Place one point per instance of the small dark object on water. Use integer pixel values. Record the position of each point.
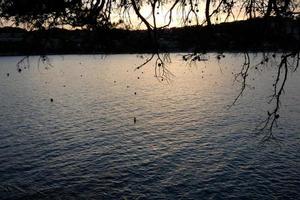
(134, 93)
(127, 86)
(277, 116)
(64, 85)
(134, 120)
(7, 74)
(115, 81)
(138, 77)
(19, 70)
(51, 99)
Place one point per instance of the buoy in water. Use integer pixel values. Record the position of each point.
(51, 100)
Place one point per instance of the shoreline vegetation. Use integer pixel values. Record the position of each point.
(255, 35)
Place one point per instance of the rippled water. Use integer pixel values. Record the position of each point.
(186, 143)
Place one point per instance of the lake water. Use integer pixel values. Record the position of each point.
(185, 144)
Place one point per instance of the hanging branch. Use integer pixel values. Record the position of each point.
(278, 90)
(242, 77)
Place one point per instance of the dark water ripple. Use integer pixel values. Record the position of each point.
(186, 144)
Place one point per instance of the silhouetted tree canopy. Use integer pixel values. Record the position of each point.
(95, 13)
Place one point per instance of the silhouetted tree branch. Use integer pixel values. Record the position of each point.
(278, 86)
(242, 77)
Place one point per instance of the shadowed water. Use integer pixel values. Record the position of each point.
(185, 144)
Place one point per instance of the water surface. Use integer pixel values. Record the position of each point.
(186, 143)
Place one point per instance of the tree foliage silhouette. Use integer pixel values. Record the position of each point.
(95, 13)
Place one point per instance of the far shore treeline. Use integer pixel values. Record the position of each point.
(248, 35)
(106, 26)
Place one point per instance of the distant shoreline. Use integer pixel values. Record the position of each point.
(257, 35)
(143, 53)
